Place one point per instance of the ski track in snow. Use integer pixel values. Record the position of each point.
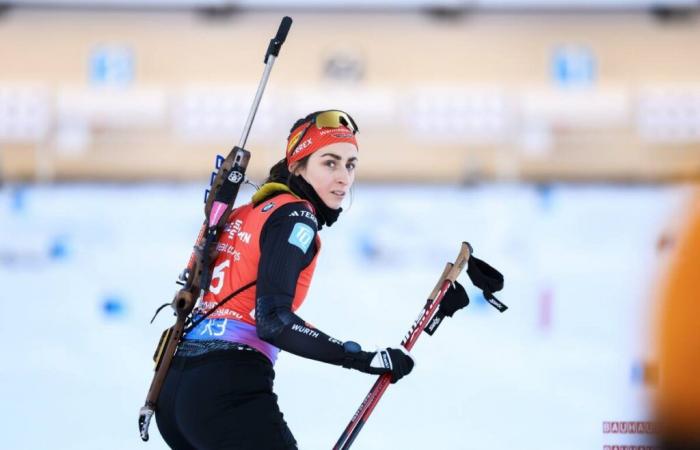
(83, 267)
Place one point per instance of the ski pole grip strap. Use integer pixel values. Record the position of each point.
(484, 276)
(277, 41)
(493, 301)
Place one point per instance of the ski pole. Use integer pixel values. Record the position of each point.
(218, 204)
(448, 276)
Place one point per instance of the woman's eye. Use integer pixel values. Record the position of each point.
(351, 166)
(330, 163)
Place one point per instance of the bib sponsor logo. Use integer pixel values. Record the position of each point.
(233, 229)
(229, 249)
(220, 313)
(244, 237)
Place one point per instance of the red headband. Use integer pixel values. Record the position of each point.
(314, 139)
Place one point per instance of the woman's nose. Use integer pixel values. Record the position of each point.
(343, 176)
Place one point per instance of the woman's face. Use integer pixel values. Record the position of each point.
(331, 172)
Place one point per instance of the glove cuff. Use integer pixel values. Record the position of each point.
(355, 357)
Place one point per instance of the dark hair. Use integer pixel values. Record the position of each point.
(279, 173)
(303, 120)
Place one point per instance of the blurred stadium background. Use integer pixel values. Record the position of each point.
(561, 138)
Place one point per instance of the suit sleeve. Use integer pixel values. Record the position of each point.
(287, 247)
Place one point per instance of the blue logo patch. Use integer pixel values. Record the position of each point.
(268, 207)
(301, 236)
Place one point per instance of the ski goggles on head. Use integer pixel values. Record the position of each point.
(330, 127)
(333, 119)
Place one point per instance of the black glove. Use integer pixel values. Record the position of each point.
(396, 361)
(455, 299)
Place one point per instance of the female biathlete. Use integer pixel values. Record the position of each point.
(218, 393)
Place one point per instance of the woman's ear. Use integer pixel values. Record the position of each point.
(293, 168)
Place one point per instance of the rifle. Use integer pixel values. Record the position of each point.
(195, 278)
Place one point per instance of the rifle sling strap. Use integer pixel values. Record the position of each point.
(194, 323)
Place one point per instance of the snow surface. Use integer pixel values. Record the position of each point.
(83, 267)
